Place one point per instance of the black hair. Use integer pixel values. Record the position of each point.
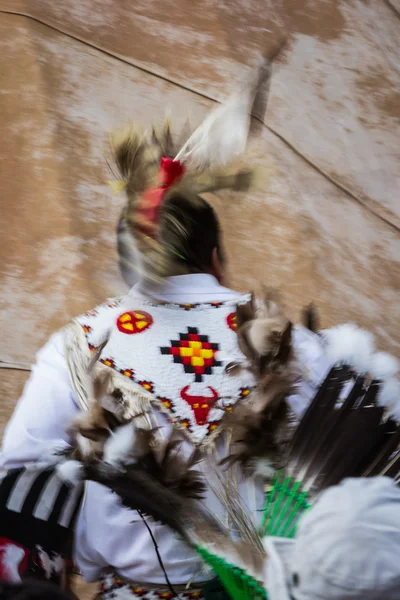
(190, 230)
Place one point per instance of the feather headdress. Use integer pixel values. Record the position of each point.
(154, 169)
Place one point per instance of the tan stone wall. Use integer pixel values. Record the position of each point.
(325, 227)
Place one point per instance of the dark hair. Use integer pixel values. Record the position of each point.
(190, 231)
(34, 590)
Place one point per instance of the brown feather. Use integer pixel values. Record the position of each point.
(260, 428)
(310, 318)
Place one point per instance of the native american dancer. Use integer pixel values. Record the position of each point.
(176, 402)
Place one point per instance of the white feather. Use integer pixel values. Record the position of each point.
(348, 344)
(70, 471)
(264, 468)
(223, 134)
(384, 366)
(84, 445)
(120, 446)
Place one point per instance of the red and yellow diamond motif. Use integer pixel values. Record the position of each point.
(134, 321)
(108, 362)
(167, 403)
(244, 392)
(147, 385)
(231, 320)
(194, 352)
(128, 373)
(213, 426)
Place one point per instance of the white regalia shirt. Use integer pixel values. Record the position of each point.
(108, 534)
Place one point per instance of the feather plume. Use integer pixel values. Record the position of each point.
(259, 430)
(137, 161)
(162, 138)
(347, 344)
(148, 474)
(260, 427)
(223, 134)
(384, 366)
(265, 335)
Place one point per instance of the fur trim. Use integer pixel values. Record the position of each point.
(389, 397)
(384, 366)
(121, 445)
(349, 345)
(71, 471)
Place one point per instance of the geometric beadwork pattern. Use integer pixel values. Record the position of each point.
(194, 352)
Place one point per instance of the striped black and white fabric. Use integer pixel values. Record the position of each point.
(37, 517)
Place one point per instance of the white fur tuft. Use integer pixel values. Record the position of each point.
(263, 467)
(70, 471)
(84, 445)
(348, 344)
(389, 397)
(384, 366)
(120, 445)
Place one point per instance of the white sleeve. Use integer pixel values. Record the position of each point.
(44, 411)
(109, 534)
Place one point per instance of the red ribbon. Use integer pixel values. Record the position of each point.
(148, 209)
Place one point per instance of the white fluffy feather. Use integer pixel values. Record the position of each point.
(70, 471)
(384, 366)
(84, 444)
(348, 344)
(120, 446)
(264, 468)
(223, 134)
(389, 397)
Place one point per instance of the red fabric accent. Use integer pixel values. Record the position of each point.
(151, 200)
(170, 171)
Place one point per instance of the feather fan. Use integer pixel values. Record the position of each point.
(343, 433)
(336, 438)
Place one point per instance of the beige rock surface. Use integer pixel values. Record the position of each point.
(325, 226)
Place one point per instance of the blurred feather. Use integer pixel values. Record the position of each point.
(310, 318)
(223, 134)
(259, 428)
